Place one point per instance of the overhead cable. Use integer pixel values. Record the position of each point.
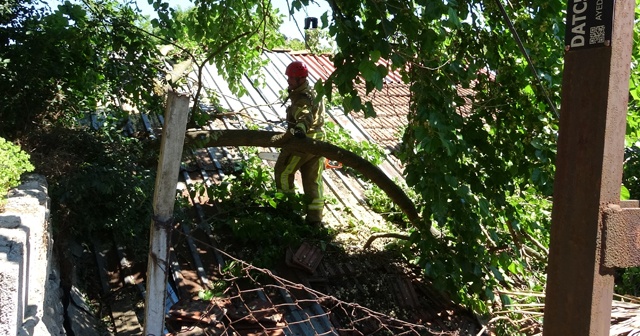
(526, 55)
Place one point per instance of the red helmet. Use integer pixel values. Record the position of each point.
(297, 69)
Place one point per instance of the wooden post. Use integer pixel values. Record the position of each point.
(164, 197)
(595, 90)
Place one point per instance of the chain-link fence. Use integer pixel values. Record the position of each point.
(246, 300)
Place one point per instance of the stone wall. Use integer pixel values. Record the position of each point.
(30, 294)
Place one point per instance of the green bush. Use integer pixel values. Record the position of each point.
(106, 187)
(257, 222)
(631, 173)
(369, 151)
(60, 61)
(13, 163)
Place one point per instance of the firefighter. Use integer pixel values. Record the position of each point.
(305, 118)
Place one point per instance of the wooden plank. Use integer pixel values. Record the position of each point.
(308, 257)
(595, 90)
(164, 198)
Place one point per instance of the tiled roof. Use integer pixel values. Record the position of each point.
(391, 104)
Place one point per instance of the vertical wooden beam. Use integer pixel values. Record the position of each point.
(164, 199)
(595, 92)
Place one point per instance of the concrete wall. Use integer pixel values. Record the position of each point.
(30, 294)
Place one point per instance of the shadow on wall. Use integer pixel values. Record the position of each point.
(14, 272)
(29, 286)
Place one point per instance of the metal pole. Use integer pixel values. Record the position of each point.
(163, 202)
(589, 165)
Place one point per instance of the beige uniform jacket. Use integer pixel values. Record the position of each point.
(304, 112)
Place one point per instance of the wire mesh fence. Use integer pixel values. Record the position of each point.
(247, 300)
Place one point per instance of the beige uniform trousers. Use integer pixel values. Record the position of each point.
(311, 167)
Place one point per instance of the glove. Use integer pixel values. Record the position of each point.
(298, 133)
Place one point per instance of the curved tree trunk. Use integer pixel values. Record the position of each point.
(216, 138)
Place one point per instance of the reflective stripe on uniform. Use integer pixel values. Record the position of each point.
(318, 135)
(288, 170)
(316, 204)
(320, 182)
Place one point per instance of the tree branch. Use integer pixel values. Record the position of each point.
(217, 138)
(384, 235)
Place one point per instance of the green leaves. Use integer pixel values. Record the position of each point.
(251, 211)
(480, 140)
(624, 193)
(109, 170)
(631, 175)
(454, 20)
(63, 63)
(365, 149)
(13, 163)
(229, 34)
(372, 73)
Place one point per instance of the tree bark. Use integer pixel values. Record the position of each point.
(217, 138)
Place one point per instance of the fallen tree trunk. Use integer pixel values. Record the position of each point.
(217, 138)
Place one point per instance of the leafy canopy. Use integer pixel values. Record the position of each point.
(230, 34)
(480, 143)
(481, 137)
(60, 63)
